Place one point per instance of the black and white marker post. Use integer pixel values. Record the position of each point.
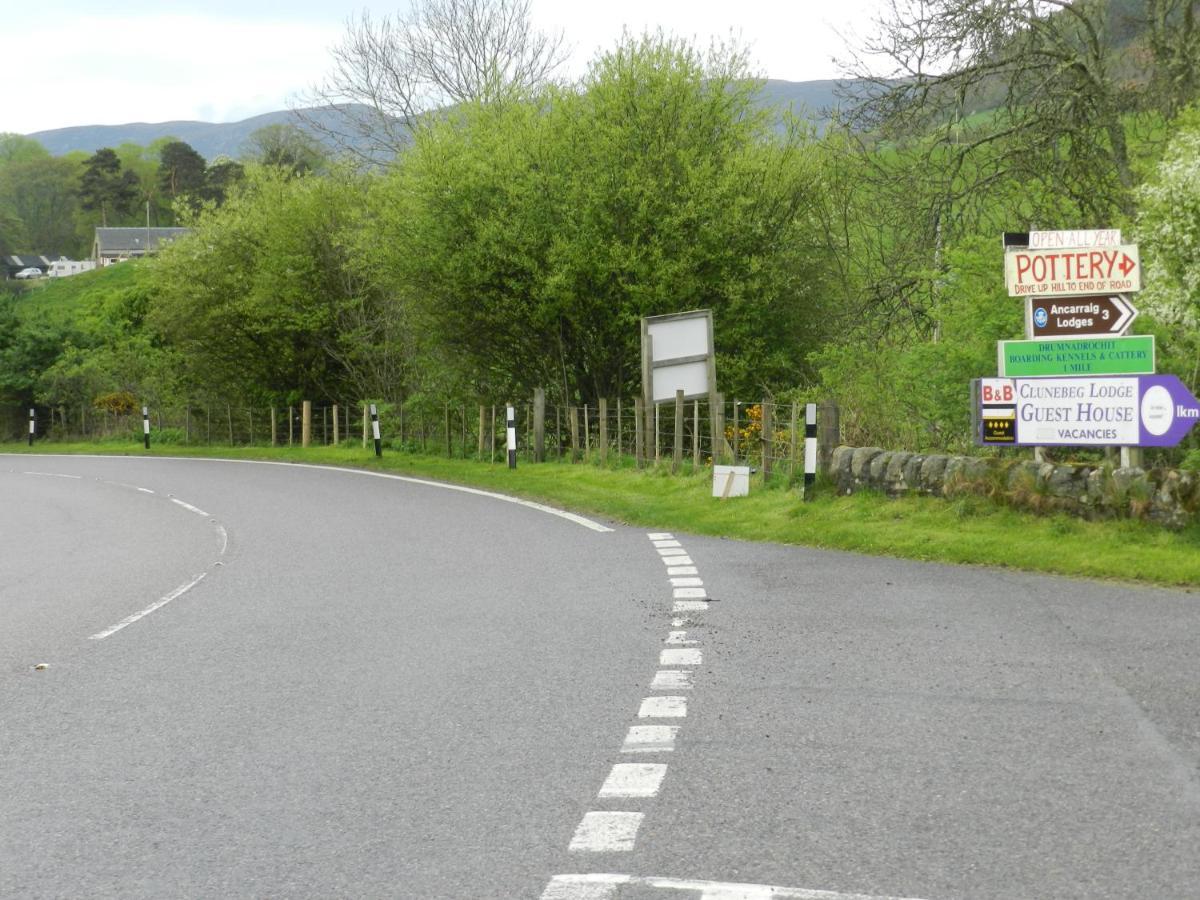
(146, 426)
(512, 437)
(32, 426)
(375, 430)
(810, 449)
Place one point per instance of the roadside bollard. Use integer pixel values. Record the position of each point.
(512, 437)
(146, 426)
(375, 430)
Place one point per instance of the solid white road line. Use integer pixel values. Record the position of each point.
(606, 832)
(672, 680)
(688, 657)
(529, 504)
(603, 886)
(650, 739)
(53, 475)
(197, 510)
(129, 620)
(634, 780)
(663, 708)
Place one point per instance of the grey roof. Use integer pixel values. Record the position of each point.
(134, 240)
(25, 261)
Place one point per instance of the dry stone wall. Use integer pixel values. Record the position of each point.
(1168, 496)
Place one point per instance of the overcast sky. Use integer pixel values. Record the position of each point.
(70, 62)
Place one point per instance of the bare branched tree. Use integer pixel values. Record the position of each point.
(389, 74)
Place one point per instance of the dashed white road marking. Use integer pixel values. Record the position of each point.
(686, 657)
(687, 582)
(145, 490)
(667, 543)
(690, 593)
(606, 832)
(676, 561)
(672, 551)
(634, 780)
(53, 475)
(659, 536)
(672, 680)
(663, 708)
(682, 570)
(650, 739)
(195, 509)
(158, 604)
(598, 886)
(689, 606)
(679, 638)
(224, 538)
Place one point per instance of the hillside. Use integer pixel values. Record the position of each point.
(810, 99)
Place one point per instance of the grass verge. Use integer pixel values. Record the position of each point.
(966, 530)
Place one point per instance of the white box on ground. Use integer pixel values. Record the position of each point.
(731, 481)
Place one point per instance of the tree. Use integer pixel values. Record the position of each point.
(105, 188)
(535, 235)
(389, 73)
(42, 192)
(286, 147)
(181, 171)
(222, 177)
(18, 148)
(1035, 87)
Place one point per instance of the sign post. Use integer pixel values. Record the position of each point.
(1076, 356)
(1049, 317)
(1101, 411)
(1064, 273)
(678, 355)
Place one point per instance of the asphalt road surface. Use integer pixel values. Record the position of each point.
(248, 680)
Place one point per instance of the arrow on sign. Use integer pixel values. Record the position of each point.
(1168, 410)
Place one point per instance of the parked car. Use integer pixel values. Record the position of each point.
(31, 272)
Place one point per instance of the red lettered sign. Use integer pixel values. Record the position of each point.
(1061, 273)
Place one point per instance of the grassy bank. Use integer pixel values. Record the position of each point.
(966, 530)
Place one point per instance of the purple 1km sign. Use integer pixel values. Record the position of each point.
(1131, 411)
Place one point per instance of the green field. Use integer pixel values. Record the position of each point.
(968, 530)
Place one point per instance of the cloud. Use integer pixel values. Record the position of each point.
(153, 68)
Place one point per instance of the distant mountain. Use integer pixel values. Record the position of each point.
(809, 99)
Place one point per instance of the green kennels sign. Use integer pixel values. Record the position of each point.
(1077, 356)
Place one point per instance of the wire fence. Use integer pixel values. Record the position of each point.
(763, 434)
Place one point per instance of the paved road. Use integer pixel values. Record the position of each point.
(374, 687)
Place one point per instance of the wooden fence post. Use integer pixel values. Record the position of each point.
(449, 448)
(274, 429)
(677, 458)
(717, 417)
(336, 434)
(539, 425)
(767, 421)
(365, 412)
(574, 422)
(829, 433)
(603, 432)
(794, 438)
(639, 438)
(696, 435)
(657, 434)
(482, 430)
(493, 433)
(735, 432)
(306, 423)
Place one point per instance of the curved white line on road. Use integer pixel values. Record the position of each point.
(189, 507)
(529, 504)
(129, 620)
(607, 887)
